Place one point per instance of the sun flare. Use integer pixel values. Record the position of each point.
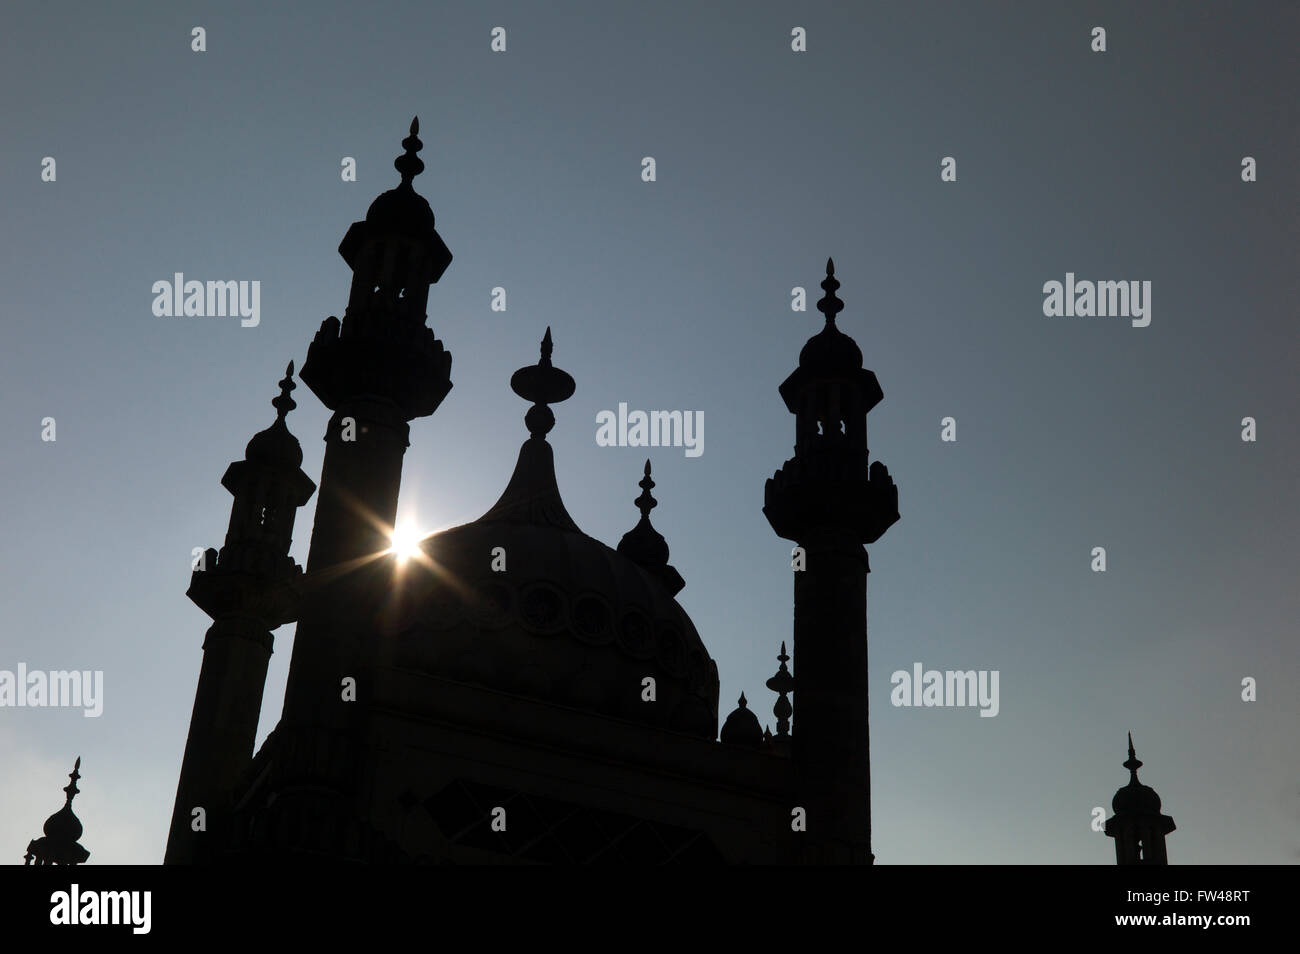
(406, 542)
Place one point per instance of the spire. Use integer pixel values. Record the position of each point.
(409, 164)
(782, 683)
(645, 503)
(71, 789)
(282, 403)
(830, 304)
(59, 846)
(646, 546)
(543, 384)
(1132, 764)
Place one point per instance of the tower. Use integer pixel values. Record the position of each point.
(377, 370)
(248, 588)
(1137, 826)
(829, 502)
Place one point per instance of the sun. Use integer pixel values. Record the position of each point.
(406, 542)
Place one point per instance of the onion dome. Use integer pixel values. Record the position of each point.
(741, 727)
(403, 210)
(62, 830)
(645, 545)
(1135, 798)
(522, 601)
(275, 446)
(830, 351)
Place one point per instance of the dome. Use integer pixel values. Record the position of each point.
(63, 826)
(275, 447)
(568, 620)
(831, 352)
(401, 210)
(741, 727)
(523, 601)
(1136, 799)
(571, 621)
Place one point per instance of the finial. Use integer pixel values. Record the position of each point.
(782, 683)
(645, 545)
(645, 503)
(409, 164)
(830, 304)
(542, 384)
(1132, 764)
(71, 788)
(742, 703)
(282, 403)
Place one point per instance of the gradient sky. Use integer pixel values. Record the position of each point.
(1072, 433)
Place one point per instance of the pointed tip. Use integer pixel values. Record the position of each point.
(742, 703)
(783, 647)
(830, 304)
(647, 466)
(77, 767)
(282, 402)
(408, 163)
(1130, 742)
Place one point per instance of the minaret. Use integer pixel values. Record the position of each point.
(377, 370)
(59, 845)
(829, 502)
(249, 588)
(1137, 826)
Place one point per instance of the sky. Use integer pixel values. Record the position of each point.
(1071, 432)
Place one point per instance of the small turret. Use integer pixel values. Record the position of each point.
(60, 844)
(1137, 826)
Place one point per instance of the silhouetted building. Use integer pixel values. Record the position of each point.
(1137, 826)
(519, 691)
(60, 844)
